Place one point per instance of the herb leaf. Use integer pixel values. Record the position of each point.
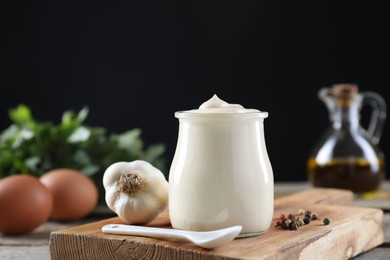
(29, 146)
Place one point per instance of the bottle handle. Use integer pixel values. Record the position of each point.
(324, 94)
(378, 115)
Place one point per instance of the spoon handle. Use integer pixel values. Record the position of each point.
(122, 229)
(205, 239)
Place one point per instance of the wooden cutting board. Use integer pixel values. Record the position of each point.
(352, 230)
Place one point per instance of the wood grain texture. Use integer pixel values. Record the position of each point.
(352, 231)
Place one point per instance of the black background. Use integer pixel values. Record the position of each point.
(134, 63)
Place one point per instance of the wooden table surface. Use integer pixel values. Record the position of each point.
(35, 245)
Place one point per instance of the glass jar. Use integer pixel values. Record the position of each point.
(221, 175)
(348, 156)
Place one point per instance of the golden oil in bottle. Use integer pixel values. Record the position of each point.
(358, 175)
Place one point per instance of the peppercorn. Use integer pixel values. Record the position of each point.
(286, 223)
(308, 213)
(300, 222)
(326, 221)
(294, 225)
(306, 220)
(314, 216)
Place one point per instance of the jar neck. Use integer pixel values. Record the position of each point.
(346, 117)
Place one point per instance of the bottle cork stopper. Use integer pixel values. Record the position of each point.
(344, 91)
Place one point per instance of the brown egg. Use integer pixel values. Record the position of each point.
(25, 203)
(75, 195)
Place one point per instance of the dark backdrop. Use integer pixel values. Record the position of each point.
(134, 63)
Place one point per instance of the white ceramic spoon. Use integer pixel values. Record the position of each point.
(205, 239)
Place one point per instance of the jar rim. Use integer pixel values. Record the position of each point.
(255, 114)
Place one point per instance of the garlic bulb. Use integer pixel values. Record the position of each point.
(136, 191)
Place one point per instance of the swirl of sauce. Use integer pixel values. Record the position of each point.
(217, 105)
